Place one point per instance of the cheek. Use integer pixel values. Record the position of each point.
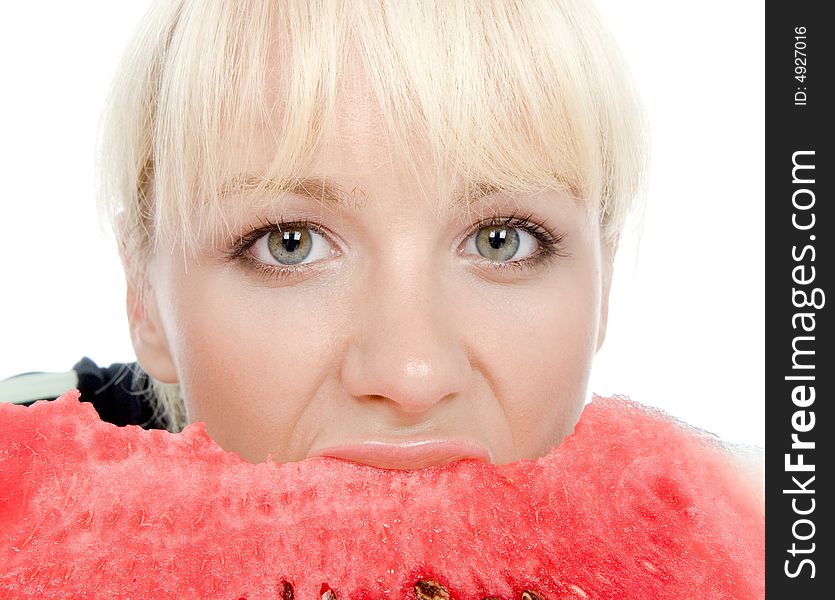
(549, 344)
(239, 349)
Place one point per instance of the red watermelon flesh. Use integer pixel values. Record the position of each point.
(632, 505)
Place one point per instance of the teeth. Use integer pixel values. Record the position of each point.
(287, 592)
(529, 595)
(426, 589)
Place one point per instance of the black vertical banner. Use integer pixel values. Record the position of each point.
(800, 364)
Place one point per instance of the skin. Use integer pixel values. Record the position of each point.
(399, 330)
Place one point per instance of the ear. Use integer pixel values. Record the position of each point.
(148, 335)
(608, 260)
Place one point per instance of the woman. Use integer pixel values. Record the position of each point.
(380, 232)
(385, 233)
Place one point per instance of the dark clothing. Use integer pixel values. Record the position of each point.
(113, 393)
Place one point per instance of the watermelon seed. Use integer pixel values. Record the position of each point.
(329, 595)
(578, 590)
(529, 595)
(287, 592)
(426, 589)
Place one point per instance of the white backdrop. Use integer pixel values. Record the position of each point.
(686, 330)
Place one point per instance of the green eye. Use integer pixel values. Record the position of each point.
(497, 242)
(290, 246)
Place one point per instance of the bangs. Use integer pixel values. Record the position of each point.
(517, 99)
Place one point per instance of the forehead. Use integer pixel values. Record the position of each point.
(325, 100)
(354, 147)
(369, 106)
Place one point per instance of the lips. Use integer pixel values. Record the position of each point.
(412, 454)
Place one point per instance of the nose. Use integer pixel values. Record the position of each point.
(405, 347)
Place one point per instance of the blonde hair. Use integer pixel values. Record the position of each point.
(519, 96)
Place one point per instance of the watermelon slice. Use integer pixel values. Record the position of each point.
(632, 505)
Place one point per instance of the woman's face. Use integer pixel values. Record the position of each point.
(405, 337)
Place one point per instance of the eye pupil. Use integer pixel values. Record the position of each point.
(291, 242)
(497, 238)
(498, 243)
(290, 246)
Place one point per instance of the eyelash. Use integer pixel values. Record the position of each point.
(240, 250)
(551, 245)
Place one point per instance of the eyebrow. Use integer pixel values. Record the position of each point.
(316, 188)
(331, 194)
